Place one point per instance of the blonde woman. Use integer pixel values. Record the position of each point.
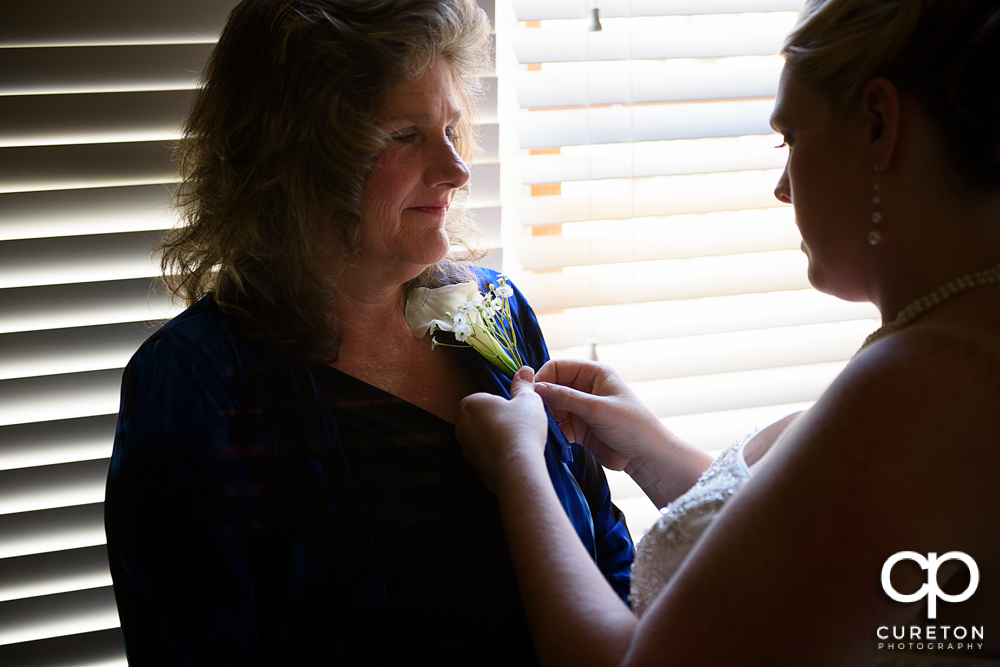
(784, 552)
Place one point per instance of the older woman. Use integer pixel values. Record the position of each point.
(286, 487)
(821, 542)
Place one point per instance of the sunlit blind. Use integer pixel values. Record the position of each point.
(639, 215)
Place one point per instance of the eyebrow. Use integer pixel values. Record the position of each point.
(455, 115)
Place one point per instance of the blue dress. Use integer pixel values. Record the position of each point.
(264, 509)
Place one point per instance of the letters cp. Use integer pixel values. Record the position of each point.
(930, 590)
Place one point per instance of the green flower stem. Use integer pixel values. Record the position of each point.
(493, 350)
(502, 361)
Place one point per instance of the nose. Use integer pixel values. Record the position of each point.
(446, 167)
(782, 191)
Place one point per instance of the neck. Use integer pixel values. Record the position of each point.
(371, 319)
(933, 246)
(368, 303)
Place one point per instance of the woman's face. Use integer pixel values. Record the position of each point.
(408, 193)
(829, 181)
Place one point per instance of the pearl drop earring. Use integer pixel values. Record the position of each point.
(874, 237)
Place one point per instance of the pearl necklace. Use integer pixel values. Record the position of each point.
(932, 300)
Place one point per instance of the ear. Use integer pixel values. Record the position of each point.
(880, 107)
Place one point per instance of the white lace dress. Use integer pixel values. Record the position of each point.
(668, 542)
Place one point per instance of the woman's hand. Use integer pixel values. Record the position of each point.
(497, 434)
(598, 410)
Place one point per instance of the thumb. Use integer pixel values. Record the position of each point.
(523, 381)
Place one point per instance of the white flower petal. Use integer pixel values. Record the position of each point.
(426, 307)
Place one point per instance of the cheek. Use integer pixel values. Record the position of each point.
(383, 191)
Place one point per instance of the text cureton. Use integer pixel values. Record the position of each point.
(930, 632)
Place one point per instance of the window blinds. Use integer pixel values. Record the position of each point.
(639, 215)
(92, 95)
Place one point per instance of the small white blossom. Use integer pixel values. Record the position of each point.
(459, 318)
(497, 304)
(462, 331)
(505, 290)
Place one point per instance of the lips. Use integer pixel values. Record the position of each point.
(435, 208)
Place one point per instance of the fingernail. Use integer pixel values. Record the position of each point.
(541, 388)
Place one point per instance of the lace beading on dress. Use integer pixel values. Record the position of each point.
(667, 543)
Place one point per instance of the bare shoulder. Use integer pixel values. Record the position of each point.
(905, 440)
(924, 391)
(923, 402)
(900, 454)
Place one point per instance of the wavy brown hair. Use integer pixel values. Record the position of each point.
(945, 53)
(280, 142)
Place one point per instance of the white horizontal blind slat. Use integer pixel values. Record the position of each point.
(101, 69)
(44, 531)
(83, 304)
(656, 38)
(77, 349)
(654, 158)
(92, 118)
(56, 572)
(101, 648)
(73, 23)
(623, 323)
(52, 442)
(60, 213)
(78, 259)
(618, 124)
(52, 486)
(651, 82)
(532, 10)
(63, 167)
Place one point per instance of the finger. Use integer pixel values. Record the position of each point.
(557, 397)
(575, 373)
(523, 381)
(560, 371)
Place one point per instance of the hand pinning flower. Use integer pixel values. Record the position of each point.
(480, 321)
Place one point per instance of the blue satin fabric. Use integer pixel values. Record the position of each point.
(235, 533)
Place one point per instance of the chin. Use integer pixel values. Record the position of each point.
(428, 256)
(443, 247)
(842, 287)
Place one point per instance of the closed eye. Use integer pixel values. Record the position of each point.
(405, 135)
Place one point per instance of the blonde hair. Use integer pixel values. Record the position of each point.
(281, 139)
(945, 53)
